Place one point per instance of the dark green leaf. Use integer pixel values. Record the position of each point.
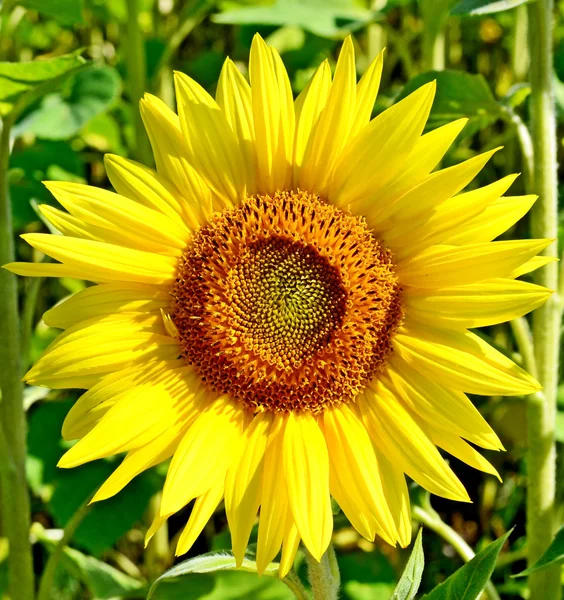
(411, 577)
(326, 19)
(68, 12)
(484, 7)
(23, 83)
(458, 95)
(103, 581)
(469, 581)
(60, 116)
(188, 581)
(554, 555)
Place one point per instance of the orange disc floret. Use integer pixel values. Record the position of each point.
(286, 303)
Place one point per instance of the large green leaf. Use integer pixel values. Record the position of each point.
(23, 83)
(68, 12)
(103, 581)
(60, 116)
(484, 7)
(411, 577)
(469, 581)
(326, 19)
(211, 576)
(458, 95)
(554, 555)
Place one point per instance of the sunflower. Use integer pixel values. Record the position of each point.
(283, 307)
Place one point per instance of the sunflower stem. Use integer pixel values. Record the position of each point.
(15, 499)
(293, 581)
(524, 339)
(541, 415)
(431, 519)
(137, 79)
(324, 576)
(48, 576)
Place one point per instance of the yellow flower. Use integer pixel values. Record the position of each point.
(283, 306)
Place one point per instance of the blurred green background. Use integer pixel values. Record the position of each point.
(75, 112)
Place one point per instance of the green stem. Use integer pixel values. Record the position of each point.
(30, 301)
(15, 500)
(524, 339)
(433, 521)
(48, 577)
(293, 581)
(541, 468)
(519, 58)
(324, 576)
(435, 13)
(137, 79)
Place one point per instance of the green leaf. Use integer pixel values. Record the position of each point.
(411, 577)
(484, 7)
(553, 555)
(67, 12)
(103, 581)
(189, 581)
(23, 83)
(458, 95)
(61, 116)
(469, 581)
(326, 19)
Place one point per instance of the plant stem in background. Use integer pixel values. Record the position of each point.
(519, 54)
(48, 577)
(435, 14)
(15, 500)
(137, 80)
(544, 585)
(428, 517)
(324, 576)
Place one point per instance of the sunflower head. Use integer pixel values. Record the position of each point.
(284, 306)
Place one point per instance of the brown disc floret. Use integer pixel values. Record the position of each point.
(286, 303)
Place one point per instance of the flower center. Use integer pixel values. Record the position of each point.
(286, 303)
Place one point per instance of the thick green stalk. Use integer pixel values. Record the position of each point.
(137, 79)
(15, 499)
(435, 14)
(324, 576)
(544, 585)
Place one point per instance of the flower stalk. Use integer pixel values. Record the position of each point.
(543, 585)
(15, 500)
(324, 576)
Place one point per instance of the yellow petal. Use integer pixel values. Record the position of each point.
(438, 405)
(129, 223)
(476, 305)
(428, 151)
(366, 92)
(105, 262)
(447, 266)
(495, 220)
(433, 227)
(203, 510)
(309, 105)
(378, 153)
(274, 497)
(234, 97)
(107, 299)
(306, 468)
(204, 454)
(334, 125)
(531, 265)
(290, 546)
(463, 361)
(273, 117)
(434, 190)
(243, 484)
(44, 270)
(171, 151)
(213, 149)
(136, 181)
(73, 227)
(406, 445)
(354, 464)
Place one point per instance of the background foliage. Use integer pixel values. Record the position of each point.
(72, 75)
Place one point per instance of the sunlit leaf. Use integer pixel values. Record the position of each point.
(469, 581)
(553, 555)
(23, 83)
(484, 7)
(411, 577)
(68, 12)
(326, 19)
